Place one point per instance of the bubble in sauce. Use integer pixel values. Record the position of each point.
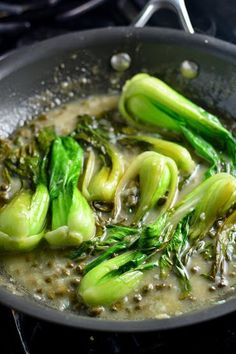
(120, 61)
(189, 69)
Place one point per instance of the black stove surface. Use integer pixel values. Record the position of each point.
(23, 22)
(214, 337)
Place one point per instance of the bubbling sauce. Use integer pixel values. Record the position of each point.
(50, 276)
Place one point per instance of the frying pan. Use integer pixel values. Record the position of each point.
(39, 77)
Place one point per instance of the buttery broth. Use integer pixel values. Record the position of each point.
(52, 277)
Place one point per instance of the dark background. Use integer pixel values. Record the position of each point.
(25, 21)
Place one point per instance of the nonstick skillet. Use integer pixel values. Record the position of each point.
(39, 77)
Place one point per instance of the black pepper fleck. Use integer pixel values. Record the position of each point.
(195, 269)
(79, 269)
(212, 288)
(147, 288)
(95, 311)
(137, 297)
(75, 281)
(48, 279)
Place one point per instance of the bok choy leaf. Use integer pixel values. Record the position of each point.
(72, 218)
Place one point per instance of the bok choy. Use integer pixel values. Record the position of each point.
(23, 218)
(158, 178)
(178, 153)
(208, 202)
(149, 101)
(72, 218)
(171, 236)
(224, 248)
(112, 279)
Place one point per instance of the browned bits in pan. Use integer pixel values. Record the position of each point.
(75, 281)
(48, 279)
(147, 288)
(95, 311)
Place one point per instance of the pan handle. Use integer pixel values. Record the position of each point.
(178, 6)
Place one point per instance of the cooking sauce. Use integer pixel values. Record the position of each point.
(52, 277)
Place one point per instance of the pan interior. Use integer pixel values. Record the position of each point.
(34, 81)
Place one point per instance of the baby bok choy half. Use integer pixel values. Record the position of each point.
(108, 280)
(112, 279)
(23, 218)
(149, 101)
(157, 178)
(72, 218)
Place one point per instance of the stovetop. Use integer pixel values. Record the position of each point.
(37, 337)
(23, 22)
(26, 21)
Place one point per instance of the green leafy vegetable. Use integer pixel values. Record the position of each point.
(178, 153)
(154, 236)
(173, 235)
(72, 218)
(113, 235)
(208, 251)
(220, 196)
(118, 233)
(123, 272)
(102, 175)
(209, 202)
(106, 255)
(148, 100)
(25, 158)
(224, 249)
(158, 175)
(171, 258)
(112, 279)
(204, 150)
(23, 219)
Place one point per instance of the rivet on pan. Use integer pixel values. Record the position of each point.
(189, 69)
(120, 61)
